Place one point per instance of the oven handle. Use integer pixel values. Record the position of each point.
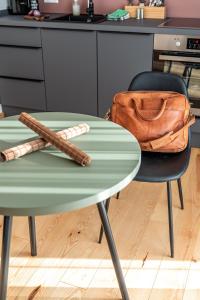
(179, 58)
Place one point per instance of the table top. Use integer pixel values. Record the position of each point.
(47, 181)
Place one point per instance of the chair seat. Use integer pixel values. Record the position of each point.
(162, 167)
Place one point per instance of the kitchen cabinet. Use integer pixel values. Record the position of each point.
(195, 129)
(68, 70)
(120, 57)
(70, 67)
(22, 85)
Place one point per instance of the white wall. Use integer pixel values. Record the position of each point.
(3, 4)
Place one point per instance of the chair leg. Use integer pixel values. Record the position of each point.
(117, 197)
(32, 234)
(170, 217)
(107, 203)
(180, 193)
(5, 256)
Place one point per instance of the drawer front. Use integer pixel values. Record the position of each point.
(20, 36)
(22, 93)
(21, 63)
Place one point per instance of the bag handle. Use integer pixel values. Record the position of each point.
(153, 118)
(168, 137)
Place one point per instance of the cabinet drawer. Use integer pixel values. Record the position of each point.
(22, 93)
(21, 63)
(20, 36)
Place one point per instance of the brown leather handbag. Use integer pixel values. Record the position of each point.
(159, 120)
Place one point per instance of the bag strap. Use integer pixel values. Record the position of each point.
(156, 117)
(167, 138)
(108, 115)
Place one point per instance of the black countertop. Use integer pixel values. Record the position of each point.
(182, 23)
(129, 26)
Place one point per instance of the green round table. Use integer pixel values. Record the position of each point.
(49, 182)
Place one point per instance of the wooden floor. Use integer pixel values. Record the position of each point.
(72, 265)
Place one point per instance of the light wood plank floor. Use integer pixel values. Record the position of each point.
(72, 265)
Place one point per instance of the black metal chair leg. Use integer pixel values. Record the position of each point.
(5, 255)
(169, 66)
(170, 217)
(32, 234)
(107, 203)
(117, 197)
(113, 250)
(180, 193)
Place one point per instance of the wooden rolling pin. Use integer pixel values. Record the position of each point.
(50, 136)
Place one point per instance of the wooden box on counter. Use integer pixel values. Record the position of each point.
(150, 12)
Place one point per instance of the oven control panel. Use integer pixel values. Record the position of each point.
(193, 44)
(175, 42)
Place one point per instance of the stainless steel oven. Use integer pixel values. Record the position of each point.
(180, 54)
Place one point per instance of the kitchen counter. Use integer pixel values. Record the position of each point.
(131, 25)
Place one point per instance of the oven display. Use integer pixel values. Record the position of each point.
(193, 44)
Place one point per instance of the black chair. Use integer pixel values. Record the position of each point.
(162, 167)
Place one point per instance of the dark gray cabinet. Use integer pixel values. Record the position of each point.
(195, 129)
(120, 57)
(70, 68)
(22, 85)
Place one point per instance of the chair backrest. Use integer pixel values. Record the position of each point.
(158, 81)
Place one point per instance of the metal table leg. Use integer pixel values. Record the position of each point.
(113, 250)
(107, 203)
(32, 234)
(5, 255)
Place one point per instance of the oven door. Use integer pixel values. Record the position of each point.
(186, 65)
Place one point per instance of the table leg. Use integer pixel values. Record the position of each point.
(113, 250)
(32, 234)
(106, 203)
(5, 255)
